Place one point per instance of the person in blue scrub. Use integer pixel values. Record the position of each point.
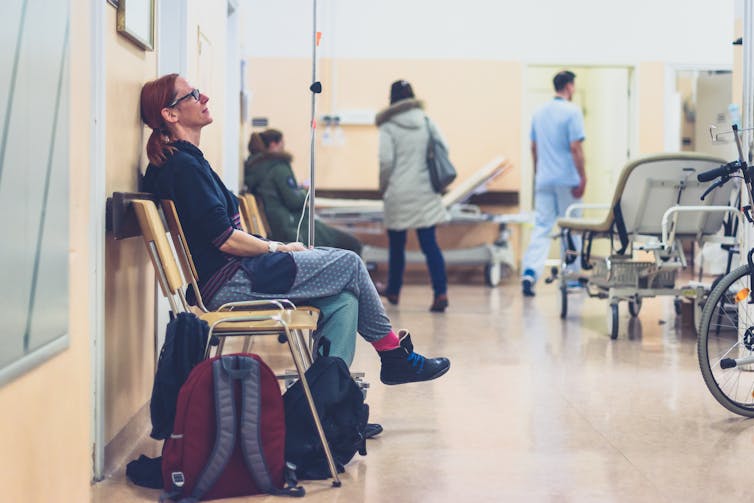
(557, 134)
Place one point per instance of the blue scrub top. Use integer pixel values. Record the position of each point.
(554, 127)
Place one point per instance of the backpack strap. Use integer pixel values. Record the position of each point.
(251, 432)
(225, 433)
(251, 429)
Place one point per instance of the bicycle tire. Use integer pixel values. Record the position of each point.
(718, 338)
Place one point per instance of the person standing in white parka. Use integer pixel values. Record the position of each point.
(410, 201)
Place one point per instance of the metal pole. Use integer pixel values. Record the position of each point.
(747, 104)
(315, 89)
(97, 193)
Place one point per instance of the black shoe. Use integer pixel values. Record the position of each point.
(372, 430)
(401, 365)
(391, 297)
(439, 304)
(527, 287)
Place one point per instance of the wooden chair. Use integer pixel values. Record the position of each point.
(255, 221)
(192, 277)
(271, 317)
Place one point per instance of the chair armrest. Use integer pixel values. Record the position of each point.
(668, 235)
(281, 304)
(584, 206)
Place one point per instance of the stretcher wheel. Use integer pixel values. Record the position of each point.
(613, 321)
(492, 274)
(563, 302)
(634, 306)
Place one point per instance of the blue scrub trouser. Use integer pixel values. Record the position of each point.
(550, 203)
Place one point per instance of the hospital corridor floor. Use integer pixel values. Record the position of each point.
(533, 409)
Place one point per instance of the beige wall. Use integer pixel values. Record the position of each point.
(475, 103)
(46, 421)
(129, 287)
(129, 280)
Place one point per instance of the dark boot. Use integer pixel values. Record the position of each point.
(391, 297)
(401, 365)
(439, 304)
(372, 430)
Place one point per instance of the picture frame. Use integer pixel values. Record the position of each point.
(135, 21)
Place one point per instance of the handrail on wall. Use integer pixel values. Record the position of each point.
(120, 218)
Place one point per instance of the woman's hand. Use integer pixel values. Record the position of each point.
(292, 247)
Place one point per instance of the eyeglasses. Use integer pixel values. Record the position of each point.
(196, 93)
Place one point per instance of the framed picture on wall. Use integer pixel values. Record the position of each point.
(135, 21)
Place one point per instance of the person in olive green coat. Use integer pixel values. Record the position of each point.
(268, 174)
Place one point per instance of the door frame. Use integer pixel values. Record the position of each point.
(97, 201)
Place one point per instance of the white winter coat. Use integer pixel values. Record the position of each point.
(410, 201)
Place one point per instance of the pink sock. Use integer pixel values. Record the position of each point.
(390, 341)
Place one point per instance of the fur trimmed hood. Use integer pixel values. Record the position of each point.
(269, 156)
(397, 108)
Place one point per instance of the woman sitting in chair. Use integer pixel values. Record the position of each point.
(268, 174)
(235, 266)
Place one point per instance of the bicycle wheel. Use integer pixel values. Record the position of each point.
(726, 332)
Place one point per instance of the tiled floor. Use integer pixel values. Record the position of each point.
(537, 409)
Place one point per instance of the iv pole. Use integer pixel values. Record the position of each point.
(315, 88)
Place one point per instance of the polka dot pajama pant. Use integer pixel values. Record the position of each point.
(321, 272)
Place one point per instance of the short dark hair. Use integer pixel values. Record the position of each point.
(400, 90)
(562, 79)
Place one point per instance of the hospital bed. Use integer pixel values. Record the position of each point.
(657, 203)
(366, 215)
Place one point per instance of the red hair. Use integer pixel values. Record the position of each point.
(156, 95)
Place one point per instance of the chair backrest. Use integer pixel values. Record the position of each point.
(160, 253)
(250, 213)
(182, 248)
(649, 186)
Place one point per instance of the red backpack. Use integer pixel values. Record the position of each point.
(219, 449)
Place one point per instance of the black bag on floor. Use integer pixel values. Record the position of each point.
(185, 342)
(342, 411)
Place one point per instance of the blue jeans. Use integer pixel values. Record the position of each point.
(432, 254)
(550, 203)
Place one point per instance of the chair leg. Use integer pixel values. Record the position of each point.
(304, 350)
(246, 344)
(220, 346)
(307, 392)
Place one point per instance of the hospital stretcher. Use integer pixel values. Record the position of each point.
(657, 202)
(366, 216)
